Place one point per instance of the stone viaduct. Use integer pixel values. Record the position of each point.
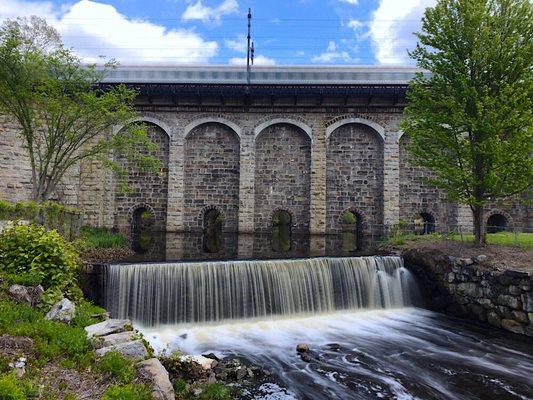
(313, 141)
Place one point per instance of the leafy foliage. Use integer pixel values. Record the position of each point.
(117, 366)
(127, 392)
(42, 256)
(215, 391)
(470, 118)
(64, 118)
(11, 388)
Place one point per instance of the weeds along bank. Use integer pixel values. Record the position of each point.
(54, 344)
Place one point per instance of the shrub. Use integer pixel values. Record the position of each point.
(45, 256)
(117, 366)
(215, 391)
(127, 392)
(11, 388)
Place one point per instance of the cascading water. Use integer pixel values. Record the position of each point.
(215, 291)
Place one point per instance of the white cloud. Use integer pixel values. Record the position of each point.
(392, 27)
(200, 12)
(352, 2)
(20, 8)
(258, 60)
(238, 44)
(95, 29)
(332, 53)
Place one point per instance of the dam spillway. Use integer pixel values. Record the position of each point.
(185, 292)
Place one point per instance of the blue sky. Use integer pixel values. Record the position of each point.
(344, 32)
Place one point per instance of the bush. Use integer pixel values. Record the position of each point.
(45, 256)
(215, 391)
(117, 366)
(127, 392)
(11, 388)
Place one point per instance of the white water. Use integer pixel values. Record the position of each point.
(165, 293)
(404, 353)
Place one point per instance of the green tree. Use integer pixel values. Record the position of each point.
(470, 115)
(64, 118)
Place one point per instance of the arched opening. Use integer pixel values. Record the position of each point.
(213, 225)
(496, 223)
(143, 220)
(352, 232)
(428, 223)
(281, 231)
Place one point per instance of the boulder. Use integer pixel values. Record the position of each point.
(134, 350)
(64, 311)
(509, 301)
(482, 258)
(302, 348)
(108, 327)
(156, 376)
(527, 299)
(113, 339)
(29, 295)
(513, 326)
(204, 362)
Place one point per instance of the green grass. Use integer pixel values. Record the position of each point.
(102, 238)
(523, 240)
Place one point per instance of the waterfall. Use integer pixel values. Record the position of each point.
(164, 293)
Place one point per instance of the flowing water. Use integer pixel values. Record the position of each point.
(367, 340)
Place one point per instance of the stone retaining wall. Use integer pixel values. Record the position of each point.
(470, 288)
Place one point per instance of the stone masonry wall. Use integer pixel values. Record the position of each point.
(146, 189)
(211, 175)
(354, 178)
(466, 287)
(417, 197)
(282, 176)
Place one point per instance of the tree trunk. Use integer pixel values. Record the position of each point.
(479, 228)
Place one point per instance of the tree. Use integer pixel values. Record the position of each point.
(470, 114)
(64, 117)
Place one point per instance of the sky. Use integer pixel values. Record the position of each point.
(285, 32)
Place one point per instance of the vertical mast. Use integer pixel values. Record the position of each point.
(248, 48)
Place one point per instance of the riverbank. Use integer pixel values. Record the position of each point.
(492, 284)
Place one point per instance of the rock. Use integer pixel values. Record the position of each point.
(241, 373)
(134, 350)
(514, 290)
(211, 356)
(482, 258)
(211, 379)
(29, 295)
(16, 346)
(104, 315)
(513, 326)
(509, 301)
(19, 366)
(306, 357)
(107, 327)
(493, 318)
(204, 362)
(520, 316)
(466, 261)
(334, 346)
(156, 376)
(470, 289)
(527, 299)
(63, 311)
(302, 348)
(114, 339)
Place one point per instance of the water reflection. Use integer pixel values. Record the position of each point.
(213, 244)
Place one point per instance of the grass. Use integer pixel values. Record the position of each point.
(523, 240)
(102, 238)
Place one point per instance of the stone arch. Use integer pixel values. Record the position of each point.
(354, 174)
(352, 233)
(146, 118)
(283, 209)
(281, 120)
(282, 177)
(281, 240)
(354, 120)
(211, 172)
(508, 219)
(211, 119)
(145, 187)
(429, 221)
